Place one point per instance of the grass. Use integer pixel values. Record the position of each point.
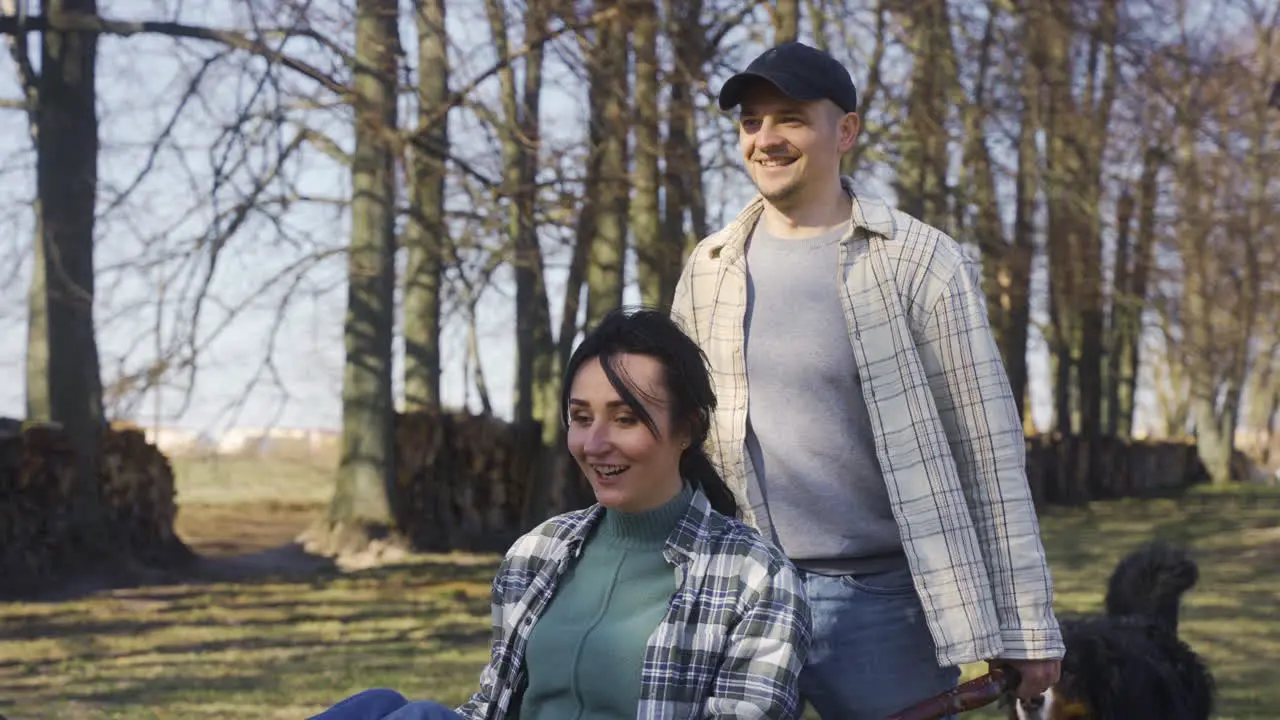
(249, 649)
(240, 480)
(1230, 617)
(285, 648)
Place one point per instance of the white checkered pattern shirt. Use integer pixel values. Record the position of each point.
(947, 432)
(730, 647)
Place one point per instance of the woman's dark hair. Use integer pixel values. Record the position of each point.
(691, 398)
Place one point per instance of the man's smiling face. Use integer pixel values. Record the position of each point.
(791, 146)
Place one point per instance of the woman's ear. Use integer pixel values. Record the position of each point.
(685, 434)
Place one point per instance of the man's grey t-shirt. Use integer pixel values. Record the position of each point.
(818, 490)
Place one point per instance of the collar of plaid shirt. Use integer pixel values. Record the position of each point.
(947, 432)
(732, 642)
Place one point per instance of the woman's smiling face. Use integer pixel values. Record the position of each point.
(632, 467)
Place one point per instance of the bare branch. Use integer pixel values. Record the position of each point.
(149, 165)
(27, 78)
(75, 22)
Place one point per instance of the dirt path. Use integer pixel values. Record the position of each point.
(249, 540)
(241, 529)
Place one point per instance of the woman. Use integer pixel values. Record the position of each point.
(655, 602)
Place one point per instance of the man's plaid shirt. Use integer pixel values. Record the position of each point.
(731, 645)
(947, 431)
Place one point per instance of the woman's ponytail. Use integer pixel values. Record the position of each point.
(696, 467)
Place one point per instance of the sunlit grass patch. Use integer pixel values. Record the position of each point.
(277, 649)
(1230, 617)
(244, 649)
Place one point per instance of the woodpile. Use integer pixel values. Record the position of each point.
(463, 481)
(36, 467)
(36, 480)
(1072, 469)
(139, 497)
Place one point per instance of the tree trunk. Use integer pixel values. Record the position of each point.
(653, 256)
(1094, 131)
(39, 404)
(817, 10)
(921, 182)
(426, 234)
(1199, 349)
(1006, 266)
(1264, 402)
(682, 178)
(535, 351)
(577, 276)
(609, 125)
(1130, 339)
(66, 181)
(1126, 309)
(977, 193)
(537, 365)
(532, 291)
(361, 507)
(1022, 252)
(786, 21)
(1049, 49)
(868, 92)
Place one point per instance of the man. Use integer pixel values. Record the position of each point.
(864, 413)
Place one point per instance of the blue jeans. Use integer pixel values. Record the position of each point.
(382, 704)
(872, 652)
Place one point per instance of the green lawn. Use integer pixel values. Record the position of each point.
(238, 480)
(280, 648)
(1232, 617)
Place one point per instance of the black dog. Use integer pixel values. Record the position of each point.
(1129, 664)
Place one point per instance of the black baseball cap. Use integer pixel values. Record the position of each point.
(801, 72)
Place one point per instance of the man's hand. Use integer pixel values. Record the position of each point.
(1036, 675)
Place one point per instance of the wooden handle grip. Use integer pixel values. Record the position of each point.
(971, 695)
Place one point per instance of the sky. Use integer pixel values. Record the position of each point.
(147, 270)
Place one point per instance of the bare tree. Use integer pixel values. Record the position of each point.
(1133, 263)
(1006, 264)
(519, 133)
(63, 380)
(921, 182)
(426, 235)
(1077, 132)
(682, 177)
(608, 181)
(654, 259)
(361, 508)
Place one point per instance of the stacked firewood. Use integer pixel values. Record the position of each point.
(462, 480)
(1072, 469)
(139, 497)
(37, 466)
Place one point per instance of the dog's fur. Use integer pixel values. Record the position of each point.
(1129, 664)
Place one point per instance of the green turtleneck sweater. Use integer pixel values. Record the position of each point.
(586, 651)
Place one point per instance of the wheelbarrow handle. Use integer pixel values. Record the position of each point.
(971, 695)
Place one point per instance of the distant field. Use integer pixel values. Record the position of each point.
(285, 648)
(237, 480)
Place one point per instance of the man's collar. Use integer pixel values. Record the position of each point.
(869, 213)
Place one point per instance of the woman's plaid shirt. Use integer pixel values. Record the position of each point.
(731, 645)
